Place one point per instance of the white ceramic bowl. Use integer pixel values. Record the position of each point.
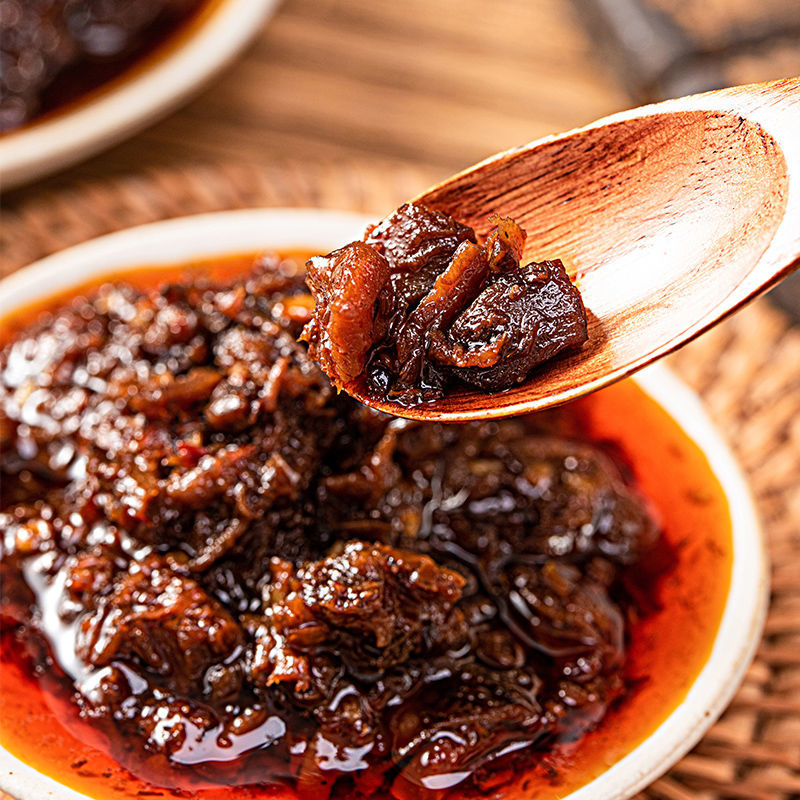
(242, 231)
(134, 101)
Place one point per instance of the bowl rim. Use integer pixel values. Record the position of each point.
(229, 232)
(153, 87)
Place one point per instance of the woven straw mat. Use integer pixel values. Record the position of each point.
(746, 371)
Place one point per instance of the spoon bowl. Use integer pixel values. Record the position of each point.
(669, 217)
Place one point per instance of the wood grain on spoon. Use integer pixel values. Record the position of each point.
(669, 216)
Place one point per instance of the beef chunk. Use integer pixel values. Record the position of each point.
(566, 615)
(415, 237)
(345, 637)
(459, 723)
(509, 495)
(584, 508)
(348, 284)
(519, 320)
(373, 605)
(162, 620)
(420, 304)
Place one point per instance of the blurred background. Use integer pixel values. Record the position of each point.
(428, 87)
(361, 104)
(440, 84)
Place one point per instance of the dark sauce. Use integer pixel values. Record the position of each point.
(670, 597)
(57, 52)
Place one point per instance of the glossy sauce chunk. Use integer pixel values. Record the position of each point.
(222, 573)
(420, 305)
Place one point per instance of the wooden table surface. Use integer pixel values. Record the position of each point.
(438, 84)
(433, 84)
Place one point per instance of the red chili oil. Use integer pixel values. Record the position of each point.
(666, 648)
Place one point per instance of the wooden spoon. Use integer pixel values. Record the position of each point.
(670, 216)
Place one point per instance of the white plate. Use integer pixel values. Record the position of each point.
(241, 231)
(135, 101)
